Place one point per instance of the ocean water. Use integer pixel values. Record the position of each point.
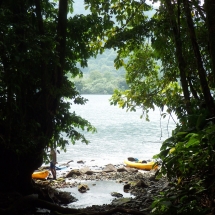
(120, 134)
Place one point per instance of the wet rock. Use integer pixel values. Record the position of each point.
(83, 188)
(109, 168)
(66, 198)
(115, 194)
(126, 187)
(121, 201)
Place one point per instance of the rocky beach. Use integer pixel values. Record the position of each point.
(138, 187)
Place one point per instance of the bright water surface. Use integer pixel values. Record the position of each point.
(120, 134)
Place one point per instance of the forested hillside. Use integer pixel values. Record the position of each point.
(101, 77)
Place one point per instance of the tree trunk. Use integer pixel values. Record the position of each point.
(179, 55)
(201, 71)
(210, 20)
(16, 171)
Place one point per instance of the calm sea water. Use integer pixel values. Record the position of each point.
(120, 134)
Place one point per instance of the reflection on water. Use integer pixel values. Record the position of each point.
(99, 193)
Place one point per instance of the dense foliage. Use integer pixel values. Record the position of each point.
(171, 64)
(93, 83)
(39, 45)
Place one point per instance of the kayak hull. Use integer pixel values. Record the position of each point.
(138, 165)
(40, 174)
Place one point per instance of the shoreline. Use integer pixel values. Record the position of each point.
(143, 185)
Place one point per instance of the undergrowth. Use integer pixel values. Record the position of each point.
(188, 161)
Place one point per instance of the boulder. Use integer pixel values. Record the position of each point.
(82, 188)
(109, 168)
(126, 187)
(84, 169)
(73, 172)
(122, 169)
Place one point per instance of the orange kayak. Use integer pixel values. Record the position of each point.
(41, 174)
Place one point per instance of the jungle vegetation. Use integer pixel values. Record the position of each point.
(93, 83)
(169, 60)
(101, 70)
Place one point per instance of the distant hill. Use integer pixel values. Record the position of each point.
(100, 77)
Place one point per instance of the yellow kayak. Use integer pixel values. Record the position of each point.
(139, 165)
(40, 174)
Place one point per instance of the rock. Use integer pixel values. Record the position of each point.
(126, 187)
(129, 169)
(73, 172)
(153, 178)
(139, 175)
(109, 168)
(83, 188)
(84, 169)
(141, 183)
(122, 169)
(81, 162)
(117, 202)
(66, 197)
(166, 185)
(90, 172)
(115, 194)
